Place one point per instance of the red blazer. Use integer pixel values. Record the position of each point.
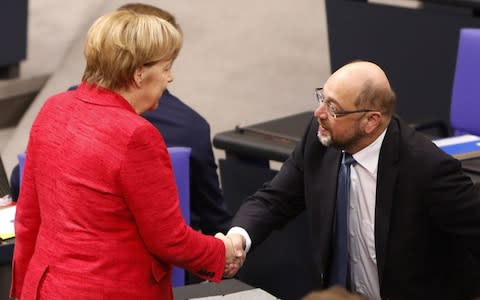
(98, 214)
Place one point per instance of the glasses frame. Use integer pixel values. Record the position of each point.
(320, 98)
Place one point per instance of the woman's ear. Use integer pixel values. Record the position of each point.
(138, 77)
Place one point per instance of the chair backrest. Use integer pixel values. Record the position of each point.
(465, 103)
(180, 158)
(21, 162)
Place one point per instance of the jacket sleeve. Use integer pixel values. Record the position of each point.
(27, 223)
(149, 188)
(278, 201)
(455, 203)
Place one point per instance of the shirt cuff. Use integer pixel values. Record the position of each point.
(242, 232)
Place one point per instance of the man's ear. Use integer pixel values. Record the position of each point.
(373, 120)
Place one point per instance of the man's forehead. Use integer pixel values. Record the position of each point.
(342, 90)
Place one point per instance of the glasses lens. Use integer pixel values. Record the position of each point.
(319, 95)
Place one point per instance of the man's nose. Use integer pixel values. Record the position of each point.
(321, 111)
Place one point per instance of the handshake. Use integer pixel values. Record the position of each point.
(234, 252)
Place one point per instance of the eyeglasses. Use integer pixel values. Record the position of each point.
(332, 110)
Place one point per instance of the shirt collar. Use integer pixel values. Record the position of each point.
(368, 156)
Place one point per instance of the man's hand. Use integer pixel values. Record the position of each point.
(234, 255)
(239, 246)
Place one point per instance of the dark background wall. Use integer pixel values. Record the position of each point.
(415, 46)
(13, 36)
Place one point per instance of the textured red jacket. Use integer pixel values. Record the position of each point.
(98, 214)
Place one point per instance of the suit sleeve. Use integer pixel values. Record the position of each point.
(455, 204)
(278, 201)
(148, 184)
(27, 224)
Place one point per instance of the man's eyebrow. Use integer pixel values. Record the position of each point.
(332, 100)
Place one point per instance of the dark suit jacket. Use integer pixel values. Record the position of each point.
(427, 214)
(181, 126)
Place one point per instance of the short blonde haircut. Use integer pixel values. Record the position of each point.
(147, 9)
(120, 42)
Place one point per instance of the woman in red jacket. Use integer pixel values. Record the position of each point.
(98, 214)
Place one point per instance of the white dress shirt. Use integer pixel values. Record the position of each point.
(361, 221)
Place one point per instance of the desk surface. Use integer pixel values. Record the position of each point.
(271, 140)
(461, 3)
(206, 289)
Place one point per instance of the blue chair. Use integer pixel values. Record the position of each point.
(180, 158)
(465, 103)
(465, 100)
(21, 163)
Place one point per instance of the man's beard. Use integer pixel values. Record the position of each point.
(328, 141)
(325, 140)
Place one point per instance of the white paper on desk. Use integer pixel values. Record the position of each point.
(460, 139)
(7, 217)
(257, 294)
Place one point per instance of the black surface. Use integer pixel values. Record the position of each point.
(461, 3)
(472, 166)
(13, 31)
(6, 251)
(206, 289)
(6, 254)
(272, 140)
(288, 128)
(4, 185)
(417, 48)
(240, 180)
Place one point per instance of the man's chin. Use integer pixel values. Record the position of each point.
(324, 140)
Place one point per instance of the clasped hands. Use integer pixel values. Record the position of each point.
(235, 253)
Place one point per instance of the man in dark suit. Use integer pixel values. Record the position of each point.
(411, 218)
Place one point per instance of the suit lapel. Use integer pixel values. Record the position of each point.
(321, 174)
(325, 191)
(386, 178)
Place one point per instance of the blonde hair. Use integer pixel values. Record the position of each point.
(147, 9)
(121, 41)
